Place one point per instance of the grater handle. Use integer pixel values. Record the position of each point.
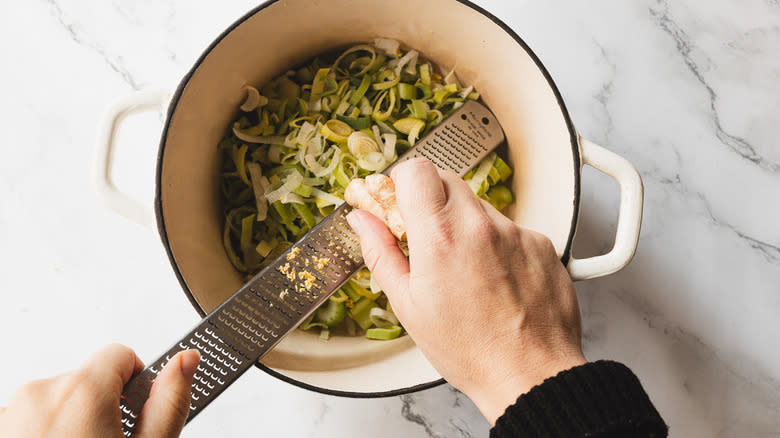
(220, 365)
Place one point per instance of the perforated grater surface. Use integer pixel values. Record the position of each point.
(252, 321)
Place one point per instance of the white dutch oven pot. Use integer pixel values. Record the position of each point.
(543, 148)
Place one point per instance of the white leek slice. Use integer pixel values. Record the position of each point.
(326, 197)
(292, 198)
(390, 47)
(318, 169)
(466, 91)
(389, 149)
(253, 99)
(258, 186)
(388, 145)
(480, 176)
(291, 158)
(360, 144)
(365, 106)
(450, 78)
(291, 182)
(264, 139)
(290, 139)
(382, 318)
(378, 137)
(372, 161)
(316, 143)
(375, 288)
(410, 58)
(306, 133)
(362, 282)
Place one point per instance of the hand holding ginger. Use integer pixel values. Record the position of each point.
(488, 303)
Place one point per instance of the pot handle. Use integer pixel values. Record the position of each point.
(629, 218)
(107, 193)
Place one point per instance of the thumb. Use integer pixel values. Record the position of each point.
(166, 410)
(382, 256)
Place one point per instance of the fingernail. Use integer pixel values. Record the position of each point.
(354, 221)
(189, 362)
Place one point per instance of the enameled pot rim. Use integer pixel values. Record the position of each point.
(158, 187)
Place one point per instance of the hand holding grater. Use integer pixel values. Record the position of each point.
(276, 300)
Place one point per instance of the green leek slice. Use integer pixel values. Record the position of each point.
(499, 196)
(336, 131)
(239, 159)
(418, 109)
(407, 91)
(361, 90)
(411, 126)
(425, 74)
(386, 79)
(305, 213)
(356, 123)
(228, 244)
(265, 247)
(503, 169)
(331, 314)
(386, 99)
(384, 333)
(361, 312)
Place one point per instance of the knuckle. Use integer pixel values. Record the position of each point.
(78, 377)
(544, 243)
(483, 230)
(31, 390)
(85, 383)
(34, 393)
(78, 386)
(532, 241)
(121, 350)
(441, 232)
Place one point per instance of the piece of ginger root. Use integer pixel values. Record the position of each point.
(376, 195)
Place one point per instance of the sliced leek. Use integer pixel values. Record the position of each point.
(301, 138)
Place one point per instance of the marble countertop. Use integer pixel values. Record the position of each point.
(686, 90)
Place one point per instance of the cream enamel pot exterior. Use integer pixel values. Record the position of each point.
(543, 148)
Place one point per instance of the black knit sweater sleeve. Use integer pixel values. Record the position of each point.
(600, 399)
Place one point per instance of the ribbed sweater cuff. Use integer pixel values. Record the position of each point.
(598, 399)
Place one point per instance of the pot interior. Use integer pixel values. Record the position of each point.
(281, 34)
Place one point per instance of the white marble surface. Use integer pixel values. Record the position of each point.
(687, 90)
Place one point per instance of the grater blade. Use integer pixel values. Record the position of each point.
(275, 301)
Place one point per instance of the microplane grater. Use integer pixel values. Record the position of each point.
(276, 300)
